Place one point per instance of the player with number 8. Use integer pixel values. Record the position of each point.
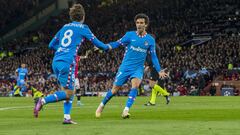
(66, 44)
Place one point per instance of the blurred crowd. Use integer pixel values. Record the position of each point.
(172, 22)
(12, 11)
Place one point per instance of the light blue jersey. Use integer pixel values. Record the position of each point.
(136, 51)
(69, 38)
(66, 44)
(22, 74)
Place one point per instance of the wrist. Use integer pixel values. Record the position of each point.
(109, 46)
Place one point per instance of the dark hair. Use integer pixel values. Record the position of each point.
(77, 12)
(142, 15)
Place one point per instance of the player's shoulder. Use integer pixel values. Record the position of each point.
(85, 26)
(150, 37)
(130, 32)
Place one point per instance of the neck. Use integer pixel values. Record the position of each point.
(141, 33)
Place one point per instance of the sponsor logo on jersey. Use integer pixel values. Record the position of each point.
(138, 49)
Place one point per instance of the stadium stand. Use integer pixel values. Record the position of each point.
(194, 36)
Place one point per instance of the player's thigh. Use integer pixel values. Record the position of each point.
(135, 82)
(136, 78)
(65, 75)
(20, 82)
(121, 78)
(55, 68)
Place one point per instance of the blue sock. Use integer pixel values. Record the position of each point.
(131, 97)
(57, 96)
(67, 106)
(108, 96)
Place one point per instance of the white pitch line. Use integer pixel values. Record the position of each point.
(51, 106)
(14, 108)
(23, 107)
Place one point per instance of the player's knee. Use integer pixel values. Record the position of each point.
(115, 89)
(136, 82)
(69, 94)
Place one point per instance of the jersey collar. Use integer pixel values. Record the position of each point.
(141, 36)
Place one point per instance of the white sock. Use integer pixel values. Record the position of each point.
(43, 101)
(126, 109)
(101, 104)
(67, 116)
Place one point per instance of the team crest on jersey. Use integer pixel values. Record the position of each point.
(146, 43)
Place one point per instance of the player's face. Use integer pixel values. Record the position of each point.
(23, 65)
(141, 25)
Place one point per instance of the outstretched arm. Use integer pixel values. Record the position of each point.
(90, 36)
(122, 41)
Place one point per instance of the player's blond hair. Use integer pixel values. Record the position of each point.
(77, 12)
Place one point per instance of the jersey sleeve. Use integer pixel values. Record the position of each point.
(122, 41)
(154, 56)
(55, 42)
(91, 37)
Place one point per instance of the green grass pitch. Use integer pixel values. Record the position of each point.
(183, 116)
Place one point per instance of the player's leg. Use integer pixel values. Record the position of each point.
(120, 79)
(67, 106)
(37, 94)
(136, 78)
(78, 94)
(112, 92)
(161, 89)
(17, 92)
(14, 90)
(131, 97)
(20, 84)
(57, 96)
(153, 94)
(152, 82)
(68, 102)
(23, 88)
(63, 72)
